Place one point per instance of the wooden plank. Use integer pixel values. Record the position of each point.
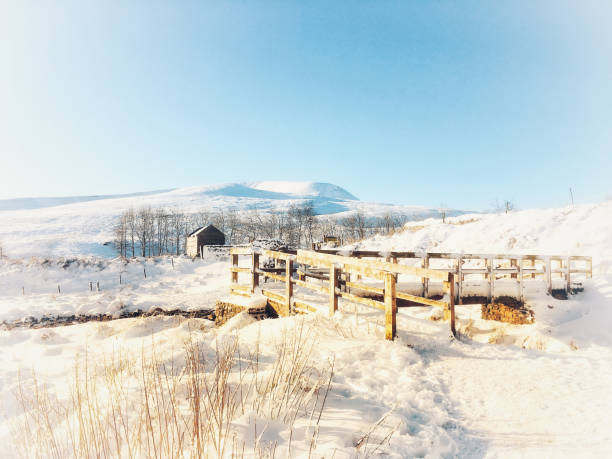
(311, 286)
(333, 285)
(274, 296)
(568, 284)
(308, 273)
(234, 274)
(361, 300)
(278, 255)
(520, 280)
(452, 304)
(288, 285)
(425, 280)
(255, 274)
(369, 268)
(420, 300)
(390, 307)
(303, 305)
(366, 288)
(274, 276)
(241, 251)
(549, 276)
(460, 278)
(236, 269)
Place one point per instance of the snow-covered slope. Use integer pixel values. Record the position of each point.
(579, 230)
(81, 225)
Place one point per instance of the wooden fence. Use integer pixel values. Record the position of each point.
(330, 268)
(492, 267)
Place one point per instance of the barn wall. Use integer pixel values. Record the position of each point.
(191, 247)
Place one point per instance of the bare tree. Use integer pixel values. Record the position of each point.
(177, 228)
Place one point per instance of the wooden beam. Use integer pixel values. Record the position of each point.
(369, 268)
(273, 295)
(278, 255)
(236, 269)
(255, 276)
(420, 300)
(425, 280)
(361, 300)
(234, 274)
(366, 288)
(452, 304)
(303, 305)
(311, 286)
(390, 307)
(275, 277)
(333, 285)
(241, 251)
(288, 284)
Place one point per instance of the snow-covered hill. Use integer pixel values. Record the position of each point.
(82, 225)
(500, 390)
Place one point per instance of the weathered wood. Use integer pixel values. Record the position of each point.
(255, 273)
(420, 300)
(241, 251)
(361, 300)
(460, 278)
(234, 265)
(366, 288)
(273, 295)
(288, 284)
(489, 266)
(520, 279)
(274, 276)
(390, 306)
(333, 285)
(425, 280)
(303, 305)
(278, 255)
(311, 286)
(452, 304)
(369, 268)
(568, 274)
(237, 269)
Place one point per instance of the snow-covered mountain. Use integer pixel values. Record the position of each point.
(82, 224)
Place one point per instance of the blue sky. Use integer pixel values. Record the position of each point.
(407, 102)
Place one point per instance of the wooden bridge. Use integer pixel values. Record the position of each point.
(370, 278)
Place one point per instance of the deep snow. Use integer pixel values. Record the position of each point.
(538, 390)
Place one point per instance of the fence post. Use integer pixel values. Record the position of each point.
(491, 279)
(333, 284)
(234, 275)
(390, 306)
(451, 303)
(549, 275)
(425, 280)
(255, 278)
(568, 273)
(460, 280)
(288, 284)
(519, 267)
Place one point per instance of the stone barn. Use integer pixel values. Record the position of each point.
(206, 235)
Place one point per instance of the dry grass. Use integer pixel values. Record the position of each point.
(464, 222)
(177, 406)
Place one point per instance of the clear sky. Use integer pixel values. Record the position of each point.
(409, 102)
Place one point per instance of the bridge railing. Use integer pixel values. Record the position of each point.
(329, 269)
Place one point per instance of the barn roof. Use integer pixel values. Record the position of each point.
(203, 228)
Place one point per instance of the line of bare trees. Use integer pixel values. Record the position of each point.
(151, 231)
